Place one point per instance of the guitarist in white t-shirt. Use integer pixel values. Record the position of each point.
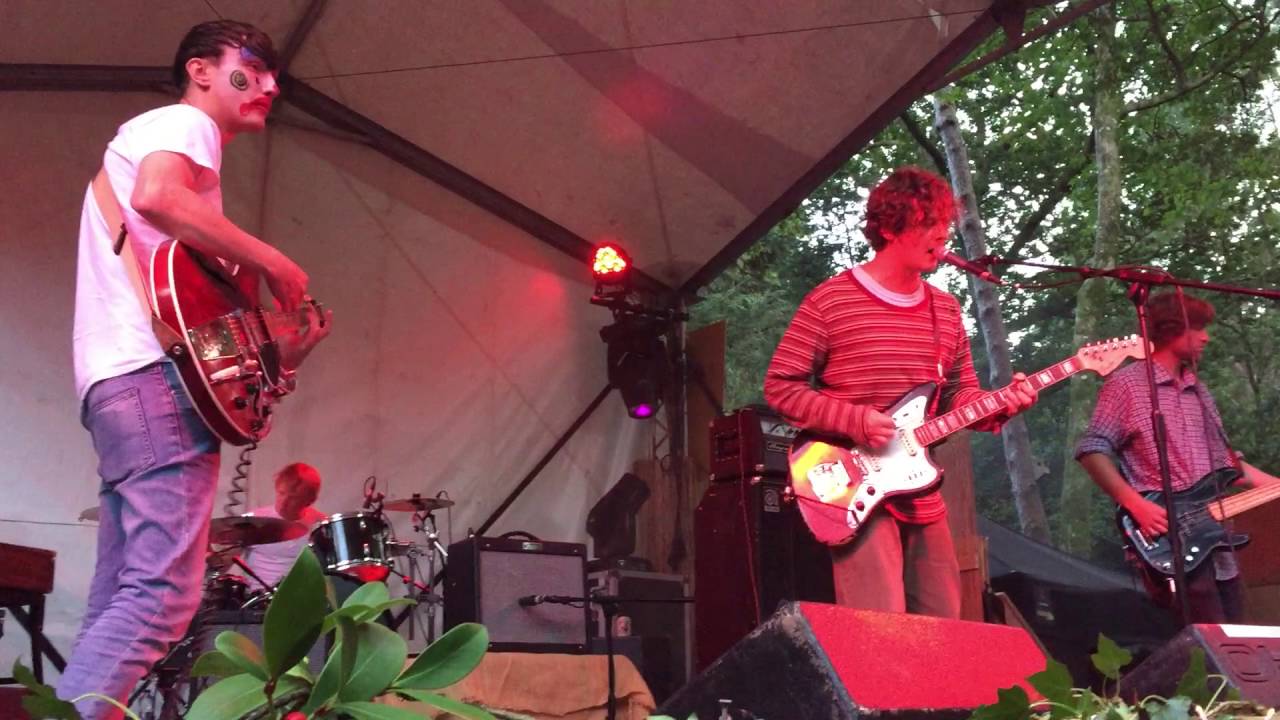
(157, 460)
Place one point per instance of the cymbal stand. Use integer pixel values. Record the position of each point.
(425, 522)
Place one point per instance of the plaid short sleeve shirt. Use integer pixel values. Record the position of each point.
(1121, 427)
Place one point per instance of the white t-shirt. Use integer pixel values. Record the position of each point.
(273, 560)
(907, 300)
(112, 333)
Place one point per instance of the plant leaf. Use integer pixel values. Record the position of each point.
(349, 648)
(372, 613)
(1011, 704)
(1176, 708)
(241, 651)
(1194, 683)
(375, 711)
(294, 618)
(447, 660)
(331, 620)
(327, 683)
(302, 671)
(229, 698)
(1054, 683)
(451, 706)
(23, 675)
(368, 594)
(380, 656)
(214, 664)
(1110, 657)
(48, 706)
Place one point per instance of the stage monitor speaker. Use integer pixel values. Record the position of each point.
(753, 552)
(1247, 655)
(487, 577)
(822, 661)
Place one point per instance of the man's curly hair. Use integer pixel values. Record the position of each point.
(909, 197)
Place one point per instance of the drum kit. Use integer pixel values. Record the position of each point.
(353, 548)
(357, 546)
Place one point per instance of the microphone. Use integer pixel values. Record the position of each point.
(969, 266)
(531, 600)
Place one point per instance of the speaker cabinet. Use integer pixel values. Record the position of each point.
(487, 577)
(752, 553)
(1247, 655)
(822, 661)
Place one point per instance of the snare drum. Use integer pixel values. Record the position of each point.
(353, 544)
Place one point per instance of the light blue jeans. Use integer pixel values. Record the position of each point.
(159, 468)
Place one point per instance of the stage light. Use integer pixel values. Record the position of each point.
(611, 268)
(609, 262)
(638, 363)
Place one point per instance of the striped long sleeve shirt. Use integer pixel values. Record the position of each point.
(848, 351)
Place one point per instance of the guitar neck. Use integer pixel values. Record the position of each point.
(1233, 505)
(992, 403)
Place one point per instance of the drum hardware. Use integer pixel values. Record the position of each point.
(423, 522)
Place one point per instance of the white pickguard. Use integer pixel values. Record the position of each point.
(902, 465)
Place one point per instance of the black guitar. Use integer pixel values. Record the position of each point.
(1200, 516)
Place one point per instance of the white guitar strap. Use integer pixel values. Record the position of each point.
(111, 212)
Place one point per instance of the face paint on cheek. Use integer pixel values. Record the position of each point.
(239, 80)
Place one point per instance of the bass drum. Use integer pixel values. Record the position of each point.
(353, 544)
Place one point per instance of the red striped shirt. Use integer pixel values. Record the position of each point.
(866, 354)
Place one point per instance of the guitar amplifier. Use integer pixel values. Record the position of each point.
(487, 577)
(753, 440)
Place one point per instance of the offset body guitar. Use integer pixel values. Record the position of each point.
(225, 348)
(838, 485)
(1200, 516)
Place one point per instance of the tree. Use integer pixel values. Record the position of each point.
(1017, 445)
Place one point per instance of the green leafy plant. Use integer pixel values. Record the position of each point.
(1198, 695)
(367, 661)
(41, 702)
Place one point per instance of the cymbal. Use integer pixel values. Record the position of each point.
(89, 514)
(253, 530)
(417, 503)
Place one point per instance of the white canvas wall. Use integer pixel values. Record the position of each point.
(461, 347)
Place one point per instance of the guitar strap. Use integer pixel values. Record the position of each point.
(111, 212)
(937, 349)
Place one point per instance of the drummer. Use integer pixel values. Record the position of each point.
(297, 487)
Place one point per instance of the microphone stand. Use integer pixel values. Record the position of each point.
(1140, 281)
(609, 606)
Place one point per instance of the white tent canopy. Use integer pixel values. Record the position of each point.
(440, 169)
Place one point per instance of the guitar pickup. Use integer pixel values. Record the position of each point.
(234, 372)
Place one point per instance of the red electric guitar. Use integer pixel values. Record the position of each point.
(224, 346)
(838, 484)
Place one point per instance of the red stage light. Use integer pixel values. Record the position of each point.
(609, 262)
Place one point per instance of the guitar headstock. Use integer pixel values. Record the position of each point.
(1105, 356)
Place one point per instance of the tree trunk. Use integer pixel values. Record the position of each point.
(1017, 443)
(1077, 516)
